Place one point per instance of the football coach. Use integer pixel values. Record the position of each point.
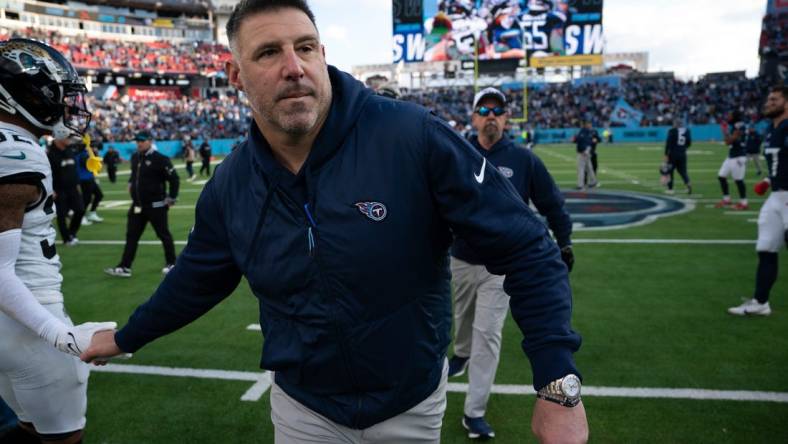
(339, 210)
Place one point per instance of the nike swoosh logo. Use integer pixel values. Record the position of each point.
(480, 177)
(20, 156)
(73, 345)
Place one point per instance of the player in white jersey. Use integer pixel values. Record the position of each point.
(773, 218)
(41, 378)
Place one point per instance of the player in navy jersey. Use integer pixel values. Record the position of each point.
(735, 164)
(676, 146)
(773, 218)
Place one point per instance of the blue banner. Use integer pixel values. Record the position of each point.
(624, 114)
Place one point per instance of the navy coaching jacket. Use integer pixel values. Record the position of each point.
(534, 184)
(349, 258)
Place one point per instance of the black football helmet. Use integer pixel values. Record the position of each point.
(41, 86)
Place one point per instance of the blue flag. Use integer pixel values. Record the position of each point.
(624, 114)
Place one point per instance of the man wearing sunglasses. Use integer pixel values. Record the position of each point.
(480, 303)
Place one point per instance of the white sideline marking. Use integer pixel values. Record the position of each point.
(665, 241)
(114, 203)
(643, 392)
(262, 382)
(256, 391)
(254, 327)
(575, 241)
(126, 205)
(740, 213)
(123, 242)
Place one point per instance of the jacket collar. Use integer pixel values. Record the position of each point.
(502, 144)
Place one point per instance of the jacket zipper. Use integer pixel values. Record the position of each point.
(310, 235)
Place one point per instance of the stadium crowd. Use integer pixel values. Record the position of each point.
(559, 105)
(216, 118)
(773, 38)
(147, 57)
(562, 105)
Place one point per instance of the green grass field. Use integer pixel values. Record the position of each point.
(651, 315)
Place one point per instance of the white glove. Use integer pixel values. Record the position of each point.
(75, 340)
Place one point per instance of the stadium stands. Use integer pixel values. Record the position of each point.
(773, 38)
(563, 105)
(193, 58)
(217, 118)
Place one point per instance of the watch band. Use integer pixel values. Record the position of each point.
(555, 391)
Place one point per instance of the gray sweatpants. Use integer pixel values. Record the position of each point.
(585, 169)
(294, 423)
(480, 307)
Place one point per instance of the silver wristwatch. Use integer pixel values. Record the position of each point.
(564, 391)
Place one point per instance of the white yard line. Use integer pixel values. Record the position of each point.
(257, 391)
(740, 213)
(262, 382)
(123, 242)
(666, 241)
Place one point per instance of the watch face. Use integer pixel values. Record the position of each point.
(570, 385)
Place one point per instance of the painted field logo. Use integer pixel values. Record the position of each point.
(610, 210)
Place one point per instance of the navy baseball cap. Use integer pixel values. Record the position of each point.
(143, 136)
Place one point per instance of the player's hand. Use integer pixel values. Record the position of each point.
(170, 202)
(761, 187)
(554, 423)
(76, 339)
(568, 256)
(103, 348)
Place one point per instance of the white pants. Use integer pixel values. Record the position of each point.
(480, 307)
(585, 169)
(41, 384)
(773, 223)
(733, 166)
(295, 423)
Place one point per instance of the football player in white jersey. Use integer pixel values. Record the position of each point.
(41, 378)
(773, 218)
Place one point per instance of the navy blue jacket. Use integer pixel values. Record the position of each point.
(533, 183)
(585, 139)
(349, 258)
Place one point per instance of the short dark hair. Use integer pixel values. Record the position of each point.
(781, 89)
(245, 8)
